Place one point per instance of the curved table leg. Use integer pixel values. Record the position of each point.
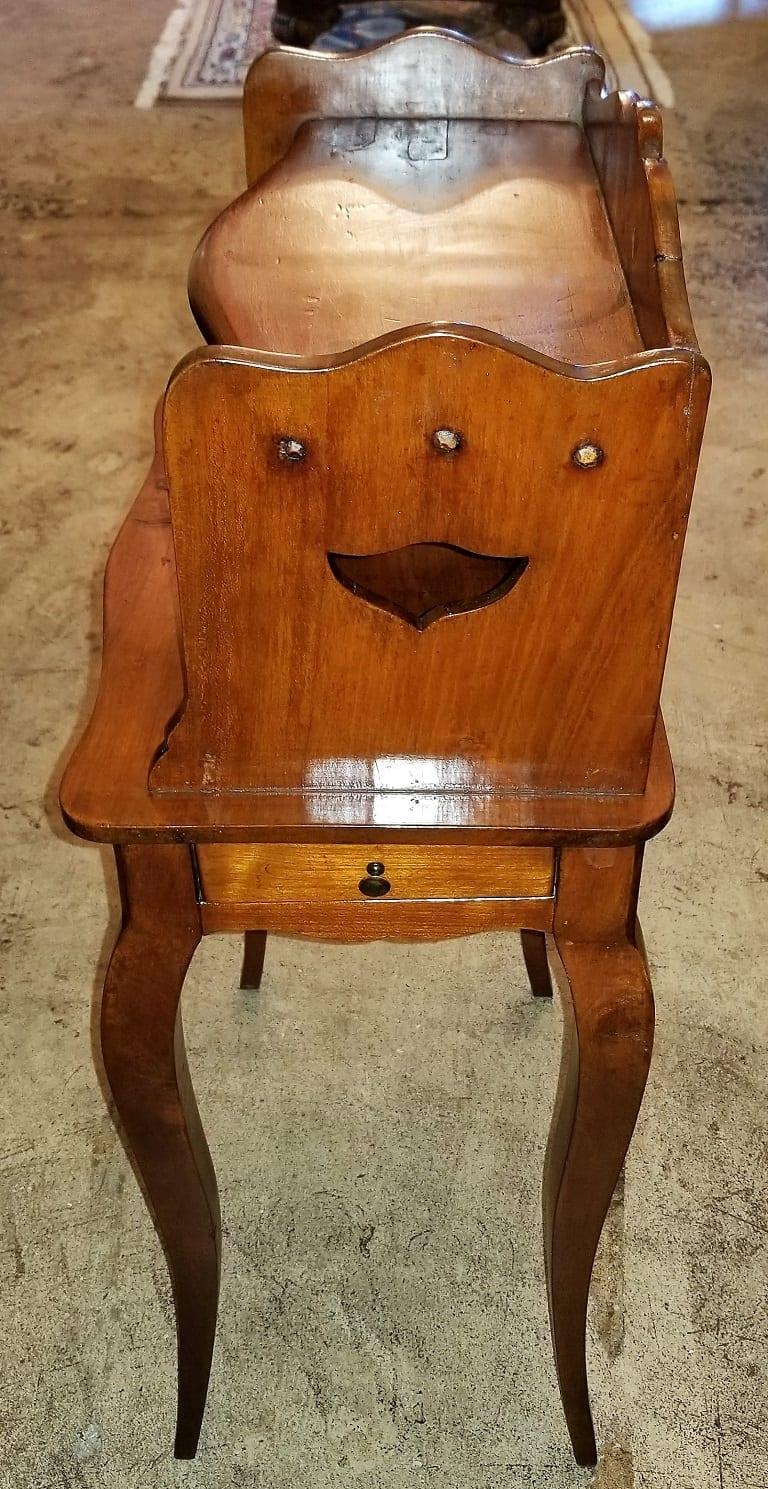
(253, 960)
(537, 963)
(142, 1044)
(608, 1038)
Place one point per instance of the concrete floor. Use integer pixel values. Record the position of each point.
(377, 1115)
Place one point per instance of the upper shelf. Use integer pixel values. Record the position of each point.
(373, 225)
(430, 180)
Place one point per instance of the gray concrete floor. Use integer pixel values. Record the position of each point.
(377, 1115)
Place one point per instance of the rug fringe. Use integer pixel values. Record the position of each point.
(164, 54)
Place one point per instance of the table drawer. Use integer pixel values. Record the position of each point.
(351, 873)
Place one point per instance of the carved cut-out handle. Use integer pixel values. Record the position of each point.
(425, 582)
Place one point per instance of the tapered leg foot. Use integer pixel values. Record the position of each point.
(142, 1044)
(253, 960)
(536, 963)
(608, 1038)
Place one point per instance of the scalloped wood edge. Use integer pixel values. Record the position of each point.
(424, 73)
(580, 371)
(431, 72)
(142, 688)
(635, 171)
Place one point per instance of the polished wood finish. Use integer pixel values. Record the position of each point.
(424, 582)
(422, 74)
(393, 616)
(583, 633)
(626, 139)
(435, 892)
(142, 1046)
(380, 920)
(332, 872)
(609, 1018)
(105, 794)
(472, 85)
(505, 220)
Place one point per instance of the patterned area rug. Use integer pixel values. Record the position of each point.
(208, 45)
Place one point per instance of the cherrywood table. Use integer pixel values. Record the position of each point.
(385, 629)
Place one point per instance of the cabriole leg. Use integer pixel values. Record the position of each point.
(142, 1044)
(608, 1038)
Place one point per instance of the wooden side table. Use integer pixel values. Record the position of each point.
(385, 629)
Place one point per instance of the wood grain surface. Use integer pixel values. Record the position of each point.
(142, 1047)
(625, 137)
(379, 920)
(370, 225)
(275, 731)
(554, 688)
(332, 871)
(104, 792)
(426, 73)
(608, 1017)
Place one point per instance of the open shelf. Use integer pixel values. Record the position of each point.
(368, 226)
